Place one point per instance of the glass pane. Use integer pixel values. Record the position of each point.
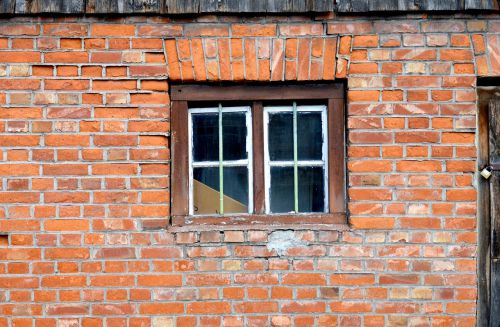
(281, 192)
(280, 131)
(235, 190)
(234, 134)
(309, 136)
(311, 189)
(206, 190)
(205, 136)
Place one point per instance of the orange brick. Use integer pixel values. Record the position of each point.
(246, 30)
(18, 56)
(363, 68)
(372, 223)
(362, 96)
(456, 55)
(112, 30)
(365, 41)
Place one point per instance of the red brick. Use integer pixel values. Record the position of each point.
(63, 281)
(455, 54)
(161, 308)
(370, 194)
(417, 81)
(65, 30)
(306, 307)
(208, 308)
(363, 68)
(462, 81)
(112, 30)
(418, 194)
(69, 253)
(352, 279)
(19, 84)
(372, 223)
(329, 58)
(397, 308)
(478, 43)
(160, 30)
(19, 29)
(66, 57)
(256, 307)
(66, 225)
(246, 30)
(300, 29)
(415, 54)
(461, 195)
(363, 96)
(349, 27)
(20, 56)
(158, 280)
(370, 166)
(419, 166)
(350, 307)
(370, 137)
(304, 279)
(365, 41)
(458, 138)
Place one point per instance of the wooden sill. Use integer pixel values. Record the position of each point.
(333, 221)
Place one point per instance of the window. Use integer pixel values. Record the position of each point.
(220, 160)
(257, 155)
(296, 168)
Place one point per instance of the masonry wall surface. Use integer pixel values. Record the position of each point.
(84, 175)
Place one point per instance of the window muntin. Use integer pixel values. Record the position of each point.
(220, 160)
(296, 159)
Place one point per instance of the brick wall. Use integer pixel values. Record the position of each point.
(84, 168)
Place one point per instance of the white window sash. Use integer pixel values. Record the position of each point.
(232, 163)
(228, 163)
(301, 163)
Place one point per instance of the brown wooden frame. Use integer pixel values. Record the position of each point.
(333, 94)
(484, 217)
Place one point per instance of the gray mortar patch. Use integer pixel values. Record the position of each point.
(282, 240)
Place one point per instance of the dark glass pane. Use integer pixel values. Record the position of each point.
(309, 136)
(311, 189)
(280, 133)
(234, 134)
(206, 190)
(281, 193)
(206, 136)
(235, 190)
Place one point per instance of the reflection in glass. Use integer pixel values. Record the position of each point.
(309, 136)
(280, 134)
(205, 137)
(235, 190)
(311, 189)
(281, 192)
(234, 134)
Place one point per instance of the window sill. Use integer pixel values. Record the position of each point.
(336, 221)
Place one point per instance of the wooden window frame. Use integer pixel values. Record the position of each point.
(332, 94)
